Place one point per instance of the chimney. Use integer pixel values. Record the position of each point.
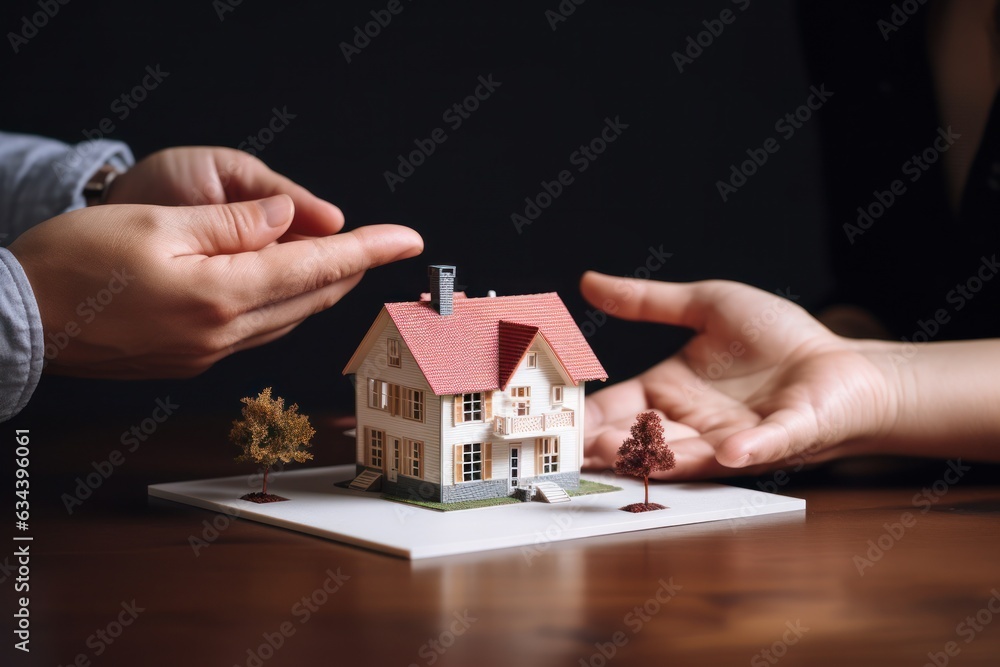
(442, 287)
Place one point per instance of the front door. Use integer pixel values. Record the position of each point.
(515, 465)
(394, 449)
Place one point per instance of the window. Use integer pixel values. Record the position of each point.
(472, 407)
(557, 394)
(547, 455)
(392, 352)
(522, 400)
(413, 404)
(378, 394)
(413, 458)
(473, 462)
(376, 447)
(531, 361)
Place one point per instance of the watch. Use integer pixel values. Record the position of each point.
(97, 187)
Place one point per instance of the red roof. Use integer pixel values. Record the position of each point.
(478, 346)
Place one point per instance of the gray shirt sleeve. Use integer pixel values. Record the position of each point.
(39, 179)
(21, 343)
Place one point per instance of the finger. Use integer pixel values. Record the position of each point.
(255, 180)
(681, 304)
(224, 229)
(263, 321)
(287, 270)
(612, 404)
(777, 437)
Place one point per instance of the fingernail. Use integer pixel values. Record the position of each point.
(742, 461)
(275, 210)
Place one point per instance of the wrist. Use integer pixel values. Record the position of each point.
(893, 393)
(98, 186)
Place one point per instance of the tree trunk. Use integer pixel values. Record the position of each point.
(645, 480)
(266, 470)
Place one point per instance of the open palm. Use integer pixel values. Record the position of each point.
(761, 384)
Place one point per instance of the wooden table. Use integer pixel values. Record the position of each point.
(789, 590)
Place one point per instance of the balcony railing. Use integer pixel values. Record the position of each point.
(510, 425)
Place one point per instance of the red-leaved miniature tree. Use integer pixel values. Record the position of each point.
(643, 453)
(269, 433)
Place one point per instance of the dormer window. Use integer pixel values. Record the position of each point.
(392, 352)
(531, 360)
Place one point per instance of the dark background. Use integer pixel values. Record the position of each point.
(655, 186)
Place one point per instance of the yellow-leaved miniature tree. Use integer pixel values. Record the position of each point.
(269, 433)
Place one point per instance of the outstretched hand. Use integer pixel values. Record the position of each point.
(761, 384)
(135, 291)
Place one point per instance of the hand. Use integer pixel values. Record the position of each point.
(150, 291)
(194, 176)
(762, 384)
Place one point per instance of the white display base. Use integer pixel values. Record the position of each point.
(317, 507)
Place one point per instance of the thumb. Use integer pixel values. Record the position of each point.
(227, 229)
(682, 304)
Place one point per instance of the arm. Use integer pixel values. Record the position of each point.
(762, 384)
(948, 397)
(41, 178)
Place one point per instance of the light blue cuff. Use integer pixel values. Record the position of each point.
(41, 178)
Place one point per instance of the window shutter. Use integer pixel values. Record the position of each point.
(458, 409)
(405, 462)
(488, 405)
(538, 456)
(458, 464)
(394, 399)
(487, 460)
(366, 450)
(419, 451)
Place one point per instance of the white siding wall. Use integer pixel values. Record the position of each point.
(540, 380)
(376, 366)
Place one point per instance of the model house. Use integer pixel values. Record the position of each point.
(469, 398)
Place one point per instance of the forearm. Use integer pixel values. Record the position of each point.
(946, 399)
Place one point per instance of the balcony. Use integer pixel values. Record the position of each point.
(510, 426)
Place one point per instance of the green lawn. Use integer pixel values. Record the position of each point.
(588, 488)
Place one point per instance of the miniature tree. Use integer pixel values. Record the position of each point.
(643, 453)
(269, 433)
